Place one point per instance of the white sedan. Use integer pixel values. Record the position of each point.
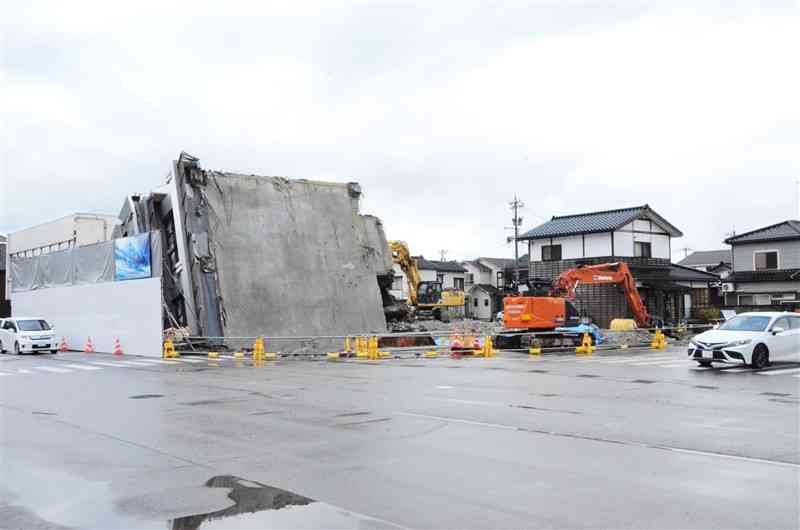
(21, 335)
(749, 338)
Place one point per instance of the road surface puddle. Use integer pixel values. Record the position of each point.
(257, 505)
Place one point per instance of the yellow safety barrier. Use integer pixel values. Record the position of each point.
(431, 354)
(259, 354)
(586, 347)
(488, 347)
(659, 340)
(238, 355)
(333, 355)
(362, 350)
(169, 350)
(535, 350)
(213, 354)
(348, 347)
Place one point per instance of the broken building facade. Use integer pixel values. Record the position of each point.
(248, 255)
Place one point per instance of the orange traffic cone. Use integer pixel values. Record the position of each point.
(89, 348)
(117, 347)
(63, 346)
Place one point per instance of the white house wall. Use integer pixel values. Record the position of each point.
(129, 310)
(768, 287)
(598, 245)
(788, 254)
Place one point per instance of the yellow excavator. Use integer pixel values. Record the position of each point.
(426, 297)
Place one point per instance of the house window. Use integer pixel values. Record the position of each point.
(765, 260)
(746, 299)
(500, 277)
(476, 302)
(440, 278)
(642, 249)
(551, 253)
(470, 278)
(486, 302)
(458, 283)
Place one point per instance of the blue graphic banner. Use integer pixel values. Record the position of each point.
(132, 257)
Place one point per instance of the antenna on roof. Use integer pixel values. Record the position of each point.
(443, 254)
(686, 251)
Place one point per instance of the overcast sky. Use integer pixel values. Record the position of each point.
(441, 110)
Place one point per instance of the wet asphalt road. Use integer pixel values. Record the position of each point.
(638, 439)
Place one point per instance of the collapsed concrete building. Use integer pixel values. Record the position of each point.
(248, 255)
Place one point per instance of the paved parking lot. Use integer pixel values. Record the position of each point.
(636, 439)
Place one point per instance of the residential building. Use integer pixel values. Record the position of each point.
(638, 236)
(716, 261)
(485, 282)
(766, 268)
(450, 274)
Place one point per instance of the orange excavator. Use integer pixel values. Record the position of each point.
(526, 314)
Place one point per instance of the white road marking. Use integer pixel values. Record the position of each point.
(736, 370)
(82, 367)
(52, 369)
(675, 365)
(132, 363)
(782, 371)
(181, 359)
(599, 440)
(457, 420)
(3, 373)
(112, 365)
(653, 363)
(642, 359)
(445, 387)
(24, 371)
(157, 361)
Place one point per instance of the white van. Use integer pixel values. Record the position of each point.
(27, 334)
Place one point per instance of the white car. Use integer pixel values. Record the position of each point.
(749, 338)
(24, 334)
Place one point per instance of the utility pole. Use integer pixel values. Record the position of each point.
(516, 205)
(686, 251)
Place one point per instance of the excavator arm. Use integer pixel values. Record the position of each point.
(606, 273)
(402, 256)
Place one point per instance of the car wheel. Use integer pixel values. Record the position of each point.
(760, 357)
(54, 351)
(704, 364)
(2, 348)
(16, 348)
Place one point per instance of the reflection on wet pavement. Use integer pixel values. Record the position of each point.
(260, 506)
(249, 497)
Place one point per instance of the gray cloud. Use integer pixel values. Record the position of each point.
(442, 113)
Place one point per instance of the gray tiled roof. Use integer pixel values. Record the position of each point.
(706, 257)
(606, 221)
(439, 266)
(784, 230)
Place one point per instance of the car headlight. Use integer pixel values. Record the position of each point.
(738, 343)
(24, 339)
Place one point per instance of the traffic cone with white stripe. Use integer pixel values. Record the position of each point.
(63, 346)
(89, 347)
(117, 347)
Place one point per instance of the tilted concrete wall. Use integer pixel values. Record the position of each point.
(294, 257)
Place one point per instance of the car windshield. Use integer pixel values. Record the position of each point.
(33, 325)
(746, 323)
